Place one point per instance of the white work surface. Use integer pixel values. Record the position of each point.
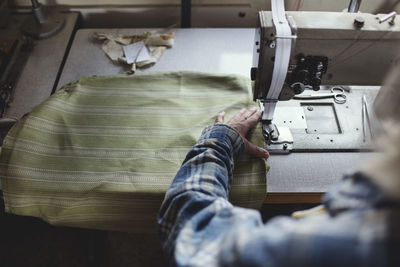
(291, 177)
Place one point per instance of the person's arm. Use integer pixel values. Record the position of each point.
(198, 195)
(199, 227)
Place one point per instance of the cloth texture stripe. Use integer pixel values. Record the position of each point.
(102, 151)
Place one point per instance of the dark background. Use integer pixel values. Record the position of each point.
(28, 241)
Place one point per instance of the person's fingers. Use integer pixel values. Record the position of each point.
(220, 117)
(239, 116)
(246, 115)
(242, 111)
(254, 150)
(250, 112)
(242, 122)
(243, 115)
(253, 119)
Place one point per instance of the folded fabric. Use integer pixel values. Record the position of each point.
(148, 47)
(101, 152)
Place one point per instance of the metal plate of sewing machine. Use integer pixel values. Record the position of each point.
(323, 125)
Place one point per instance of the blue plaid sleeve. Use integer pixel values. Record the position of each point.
(199, 227)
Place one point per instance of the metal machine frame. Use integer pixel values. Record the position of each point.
(314, 49)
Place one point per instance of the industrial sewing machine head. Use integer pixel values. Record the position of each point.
(297, 51)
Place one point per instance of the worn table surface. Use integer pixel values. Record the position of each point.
(297, 177)
(40, 72)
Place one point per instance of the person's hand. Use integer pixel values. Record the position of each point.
(242, 122)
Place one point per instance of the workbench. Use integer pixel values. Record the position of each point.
(299, 177)
(40, 74)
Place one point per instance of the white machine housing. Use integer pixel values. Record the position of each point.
(328, 48)
(359, 49)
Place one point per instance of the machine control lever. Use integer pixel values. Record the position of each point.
(391, 16)
(307, 72)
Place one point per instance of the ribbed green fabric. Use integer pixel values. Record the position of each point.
(102, 152)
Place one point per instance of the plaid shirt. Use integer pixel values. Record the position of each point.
(199, 227)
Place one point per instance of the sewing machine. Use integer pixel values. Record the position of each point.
(296, 53)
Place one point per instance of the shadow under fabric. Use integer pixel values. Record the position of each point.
(102, 152)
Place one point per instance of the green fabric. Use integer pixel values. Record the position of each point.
(102, 152)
